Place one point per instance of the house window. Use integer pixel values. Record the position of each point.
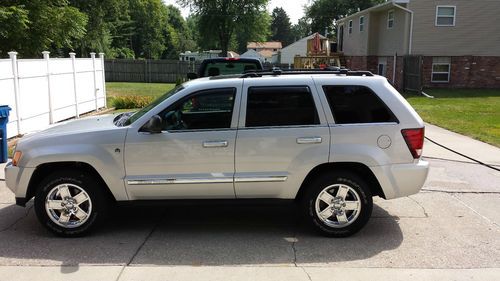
(361, 24)
(390, 19)
(350, 27)
(445, 15)
(441, 67)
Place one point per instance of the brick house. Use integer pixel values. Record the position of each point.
(456, 43)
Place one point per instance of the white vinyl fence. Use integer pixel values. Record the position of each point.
(45, 91)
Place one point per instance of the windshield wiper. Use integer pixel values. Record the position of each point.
(122, 118)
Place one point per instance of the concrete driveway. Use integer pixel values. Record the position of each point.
(450, 230)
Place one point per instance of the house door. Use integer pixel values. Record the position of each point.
(412, 72)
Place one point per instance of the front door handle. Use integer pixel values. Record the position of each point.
(217, 143)
(306, 140)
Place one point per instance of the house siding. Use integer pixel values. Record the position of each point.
(385, 41)
(356, 43)
(476, 31)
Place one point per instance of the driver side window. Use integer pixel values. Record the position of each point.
(210, 109)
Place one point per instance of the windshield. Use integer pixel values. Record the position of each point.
(132, 117)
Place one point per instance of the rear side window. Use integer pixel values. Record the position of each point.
(357, 104)
(280, 106)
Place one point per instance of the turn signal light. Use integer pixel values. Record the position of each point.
(17, 156)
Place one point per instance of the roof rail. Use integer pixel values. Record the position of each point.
(275, 71)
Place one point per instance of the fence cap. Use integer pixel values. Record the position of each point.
(4, 111)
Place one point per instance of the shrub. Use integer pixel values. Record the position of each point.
(129, 102)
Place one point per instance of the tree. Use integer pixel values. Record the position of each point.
(301, 29)
(281, 28)
(323, 13)
(178, 37)
(39, 25)
(222, 18)
(150, 22)
(258, 31)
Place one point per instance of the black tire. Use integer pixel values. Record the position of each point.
(333, 181)
(73, 179)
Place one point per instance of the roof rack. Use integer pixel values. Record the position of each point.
(275, 71)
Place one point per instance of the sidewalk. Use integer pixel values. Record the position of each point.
(473, 148)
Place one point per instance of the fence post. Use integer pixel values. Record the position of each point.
(101, 56)
(15, 75)
(92, 55)
(73, 62)
(46, 57)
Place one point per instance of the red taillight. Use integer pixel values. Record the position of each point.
(415, 140)
(232, 58)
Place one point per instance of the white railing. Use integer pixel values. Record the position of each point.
(45, 91)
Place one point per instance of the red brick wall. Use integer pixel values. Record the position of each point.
(466, 72)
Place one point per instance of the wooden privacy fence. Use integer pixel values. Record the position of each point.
(148, 71)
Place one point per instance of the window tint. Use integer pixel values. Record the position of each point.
(280, 106)
(356, 104)
(212, 109)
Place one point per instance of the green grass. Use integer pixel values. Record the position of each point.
(471, 112)
(116, 89)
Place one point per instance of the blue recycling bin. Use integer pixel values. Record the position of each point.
(4, 119)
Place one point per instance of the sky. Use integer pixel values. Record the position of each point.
(294, 8)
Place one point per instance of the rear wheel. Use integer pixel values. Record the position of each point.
(70, 203)
(338, 204)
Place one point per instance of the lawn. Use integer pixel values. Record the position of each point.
(145, 92)
(475, 113)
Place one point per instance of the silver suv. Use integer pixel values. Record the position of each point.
(329, 141)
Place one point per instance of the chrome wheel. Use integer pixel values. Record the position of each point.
(68, 205)
(338, 205)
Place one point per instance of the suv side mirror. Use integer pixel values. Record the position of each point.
(153, 126)
(192, 75)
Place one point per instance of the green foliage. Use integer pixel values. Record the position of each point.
(39, 25)
(301, 29)
(222, 19)
(281, 28)
(323, 13)
(130, 102)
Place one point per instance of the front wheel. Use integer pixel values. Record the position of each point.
(69, 203)
(338, 204)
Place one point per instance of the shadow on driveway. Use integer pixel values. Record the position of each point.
(192, 235)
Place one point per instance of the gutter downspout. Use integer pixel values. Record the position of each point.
(411, 26)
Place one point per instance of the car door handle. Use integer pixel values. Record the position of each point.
(306, 140)
(218, 143)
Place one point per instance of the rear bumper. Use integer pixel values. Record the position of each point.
(17, 180)
(401, 180)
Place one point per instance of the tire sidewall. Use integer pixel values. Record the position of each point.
(70, 177)
(345, 178)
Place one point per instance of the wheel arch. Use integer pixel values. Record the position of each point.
(355, 167)
(46, 169)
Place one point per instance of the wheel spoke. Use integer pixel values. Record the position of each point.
(326, 213)
(80, 214)
(342, 218)
(55, 204)
(64, 218)
(64, 192)
(326, 197)
(351, 205)
(81, 197)
(342, 192)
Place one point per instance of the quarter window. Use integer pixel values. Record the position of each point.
(361, 24)
(441, 67)
(210, 109)
(445, 15)
(356, 104)
(350, 27)
(280, 106)
(390, 19)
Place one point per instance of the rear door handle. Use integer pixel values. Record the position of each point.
(306, 140)
(218, 143)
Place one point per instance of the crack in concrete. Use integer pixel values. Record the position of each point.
(421, 206)
(157, 224)
(474, 211)
(18, 220)
(307, 273)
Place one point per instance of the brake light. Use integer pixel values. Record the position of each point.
(232, 58)
(415, 140)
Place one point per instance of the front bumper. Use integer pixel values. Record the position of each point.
(17, 179)
(401, 180)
